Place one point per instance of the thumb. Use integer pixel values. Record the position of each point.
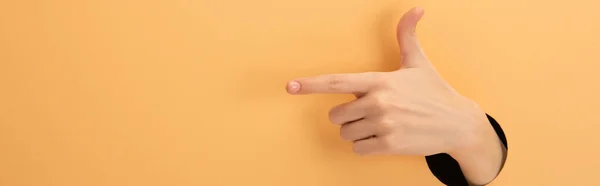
(412, 53)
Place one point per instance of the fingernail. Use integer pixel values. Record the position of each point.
(293, 87)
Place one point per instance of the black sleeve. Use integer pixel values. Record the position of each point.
(447, 170)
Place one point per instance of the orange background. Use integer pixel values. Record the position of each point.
(184, 92)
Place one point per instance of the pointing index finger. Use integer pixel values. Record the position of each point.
(333, 83)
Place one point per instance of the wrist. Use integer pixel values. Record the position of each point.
(482, 154)
(474, 130)
(476, 134)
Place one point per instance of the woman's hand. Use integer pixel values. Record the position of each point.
(410, 111)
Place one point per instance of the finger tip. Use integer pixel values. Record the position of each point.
(293, 87)
(411, 17)
(416, 13)
(418, 9)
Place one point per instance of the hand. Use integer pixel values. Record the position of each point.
(410, 111)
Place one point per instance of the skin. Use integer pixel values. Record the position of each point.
(411, 111)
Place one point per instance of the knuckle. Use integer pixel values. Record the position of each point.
(344, 133)
(333, 115)
(337, 113)
(358, 151)
(335, 83)
(386, 123)
(380, 101)
(388, 142)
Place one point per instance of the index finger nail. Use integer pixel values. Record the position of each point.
(293, 87)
